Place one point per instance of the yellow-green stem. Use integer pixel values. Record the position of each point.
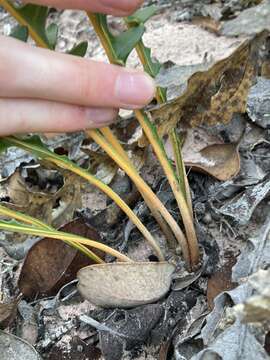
(143, 188)
(180, 168)
(40, 224)
(34, 35)
(189, 251)
(105, 41)
(184, 202)
(113, 141)
(161, 98)
(59, 235)
(4, 211)
(57, 160)
(184, 209)
(140, 51)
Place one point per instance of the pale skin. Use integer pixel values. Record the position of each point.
(45, 91)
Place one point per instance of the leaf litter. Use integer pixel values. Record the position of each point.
(208, 154)
(125, 285)
(181, 317)
(50, 264)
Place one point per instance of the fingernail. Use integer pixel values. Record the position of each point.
(96, 117)
(125, 6)
(134, 89)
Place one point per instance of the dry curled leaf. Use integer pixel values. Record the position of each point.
(213, 96)
(55, 207)
(241, 207)
(35, 203)
(51, 263)
(125, 284)
(208, 154)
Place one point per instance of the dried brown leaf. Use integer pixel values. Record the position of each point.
(208, 154)
(125, 284)
(221, 280)
(222, 161)
(213, 96)
(53, 208)
(50, 264)
(68, 199)
(35, 203)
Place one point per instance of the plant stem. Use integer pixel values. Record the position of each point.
(189, 252)
(123, 206)
(140, 49)
(40, 224)
(113, 141)
(69, 165)
(143, 188)
(104, 39)
(182, 193)
(59, 235)
(34, 35)
(184, 209)
(4, 211)
(180, 168)
(106, 43)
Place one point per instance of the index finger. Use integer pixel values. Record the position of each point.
(112, 7)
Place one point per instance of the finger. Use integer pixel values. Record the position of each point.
(24, 116)
(113, 7)
(44, 74)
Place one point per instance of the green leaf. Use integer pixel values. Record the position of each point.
(20, 33)
(34, 17)
(32, 143)
(12, 224)
(35, 141)
(124, 43)
(121, 45)
(163, 92)
(151, 66)
(35, 146)
(142, 15)
(52, 33)
(3, 146)
(80, 49)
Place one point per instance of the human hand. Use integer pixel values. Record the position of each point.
(46, 91)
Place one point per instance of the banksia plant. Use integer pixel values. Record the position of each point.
(32, 22)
